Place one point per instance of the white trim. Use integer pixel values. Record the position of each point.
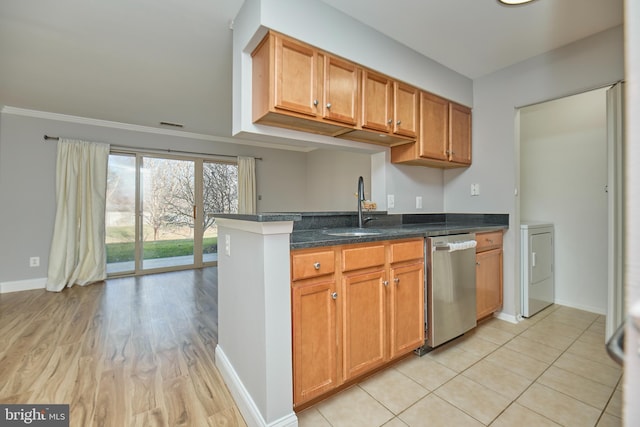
(23, 285)
(263, 228)
(506, 317)
(243, 399)
(147, 129)
(597, 310)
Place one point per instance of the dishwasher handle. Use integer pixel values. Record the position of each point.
(455, 246)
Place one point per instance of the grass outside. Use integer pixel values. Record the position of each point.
(123, 252)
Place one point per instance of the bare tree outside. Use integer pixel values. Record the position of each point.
(166, 187)
(173, 195)
(167, 201)
(220, 190)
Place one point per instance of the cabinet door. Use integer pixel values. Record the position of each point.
(314, 340)
(434, 121)
(405, 109)
(488, 282)
(340, 90)
(363, 319)
(376, 93)
(407, 308)
(295, 77)
(460, 134)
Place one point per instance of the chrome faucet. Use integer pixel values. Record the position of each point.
(360, 200)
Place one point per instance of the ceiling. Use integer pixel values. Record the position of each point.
(146, 61)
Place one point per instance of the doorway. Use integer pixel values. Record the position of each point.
(160, 213)
(563, 180)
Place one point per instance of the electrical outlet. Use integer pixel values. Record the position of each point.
(391, 203)
(418, 202)
(34, 261)
(475, 189)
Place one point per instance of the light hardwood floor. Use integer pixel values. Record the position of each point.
(127, 352)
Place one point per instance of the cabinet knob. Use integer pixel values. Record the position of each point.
(398, 122)
(477, 262)
(316, 265)
(396, 280)
(334, 295)
(385, 282)
(489, 240)
(328, 105)
(389, 121)
(315, 102)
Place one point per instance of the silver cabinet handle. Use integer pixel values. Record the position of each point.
(328, 105)
(315, 102)
(396, 280)
(398, 122)
(385, 282)
(334, 295)
(389, 121)
(316, 265)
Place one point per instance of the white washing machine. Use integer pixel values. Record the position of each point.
(537, 266)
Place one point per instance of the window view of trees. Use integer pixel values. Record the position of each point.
(168, 200)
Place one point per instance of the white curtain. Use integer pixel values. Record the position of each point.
(246, 185)
(78, 253)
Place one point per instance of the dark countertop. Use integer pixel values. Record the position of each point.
(317, 238)
(309, 228)
(262, 217)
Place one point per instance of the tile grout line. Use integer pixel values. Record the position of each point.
(550, 365)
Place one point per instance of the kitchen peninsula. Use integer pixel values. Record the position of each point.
(254, 352)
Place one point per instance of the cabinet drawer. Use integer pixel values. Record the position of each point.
(407, 251)
(312, 264)
(362, 257)
(487, 241)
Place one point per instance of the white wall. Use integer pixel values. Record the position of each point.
(408, 182)
(587, 64)
(332, 178)
(563, 174)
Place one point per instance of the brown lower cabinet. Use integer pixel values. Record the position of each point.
(355, 316)
(488, 273)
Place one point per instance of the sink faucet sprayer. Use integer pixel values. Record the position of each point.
(360, 200)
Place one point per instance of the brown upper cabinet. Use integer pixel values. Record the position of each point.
(405, 110)
(444, 139)
(298, 86)
(388, 110)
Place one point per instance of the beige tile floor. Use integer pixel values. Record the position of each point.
(549, 370)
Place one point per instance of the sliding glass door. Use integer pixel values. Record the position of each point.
(120, 215)
(176, 200)
(168, 211)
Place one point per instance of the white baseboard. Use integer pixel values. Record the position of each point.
(243, 399)
(23, 285)
(506, 317)
(588, 308)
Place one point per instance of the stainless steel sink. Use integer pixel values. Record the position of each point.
(351, 232)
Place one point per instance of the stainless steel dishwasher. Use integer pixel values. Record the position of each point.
(450, 288)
